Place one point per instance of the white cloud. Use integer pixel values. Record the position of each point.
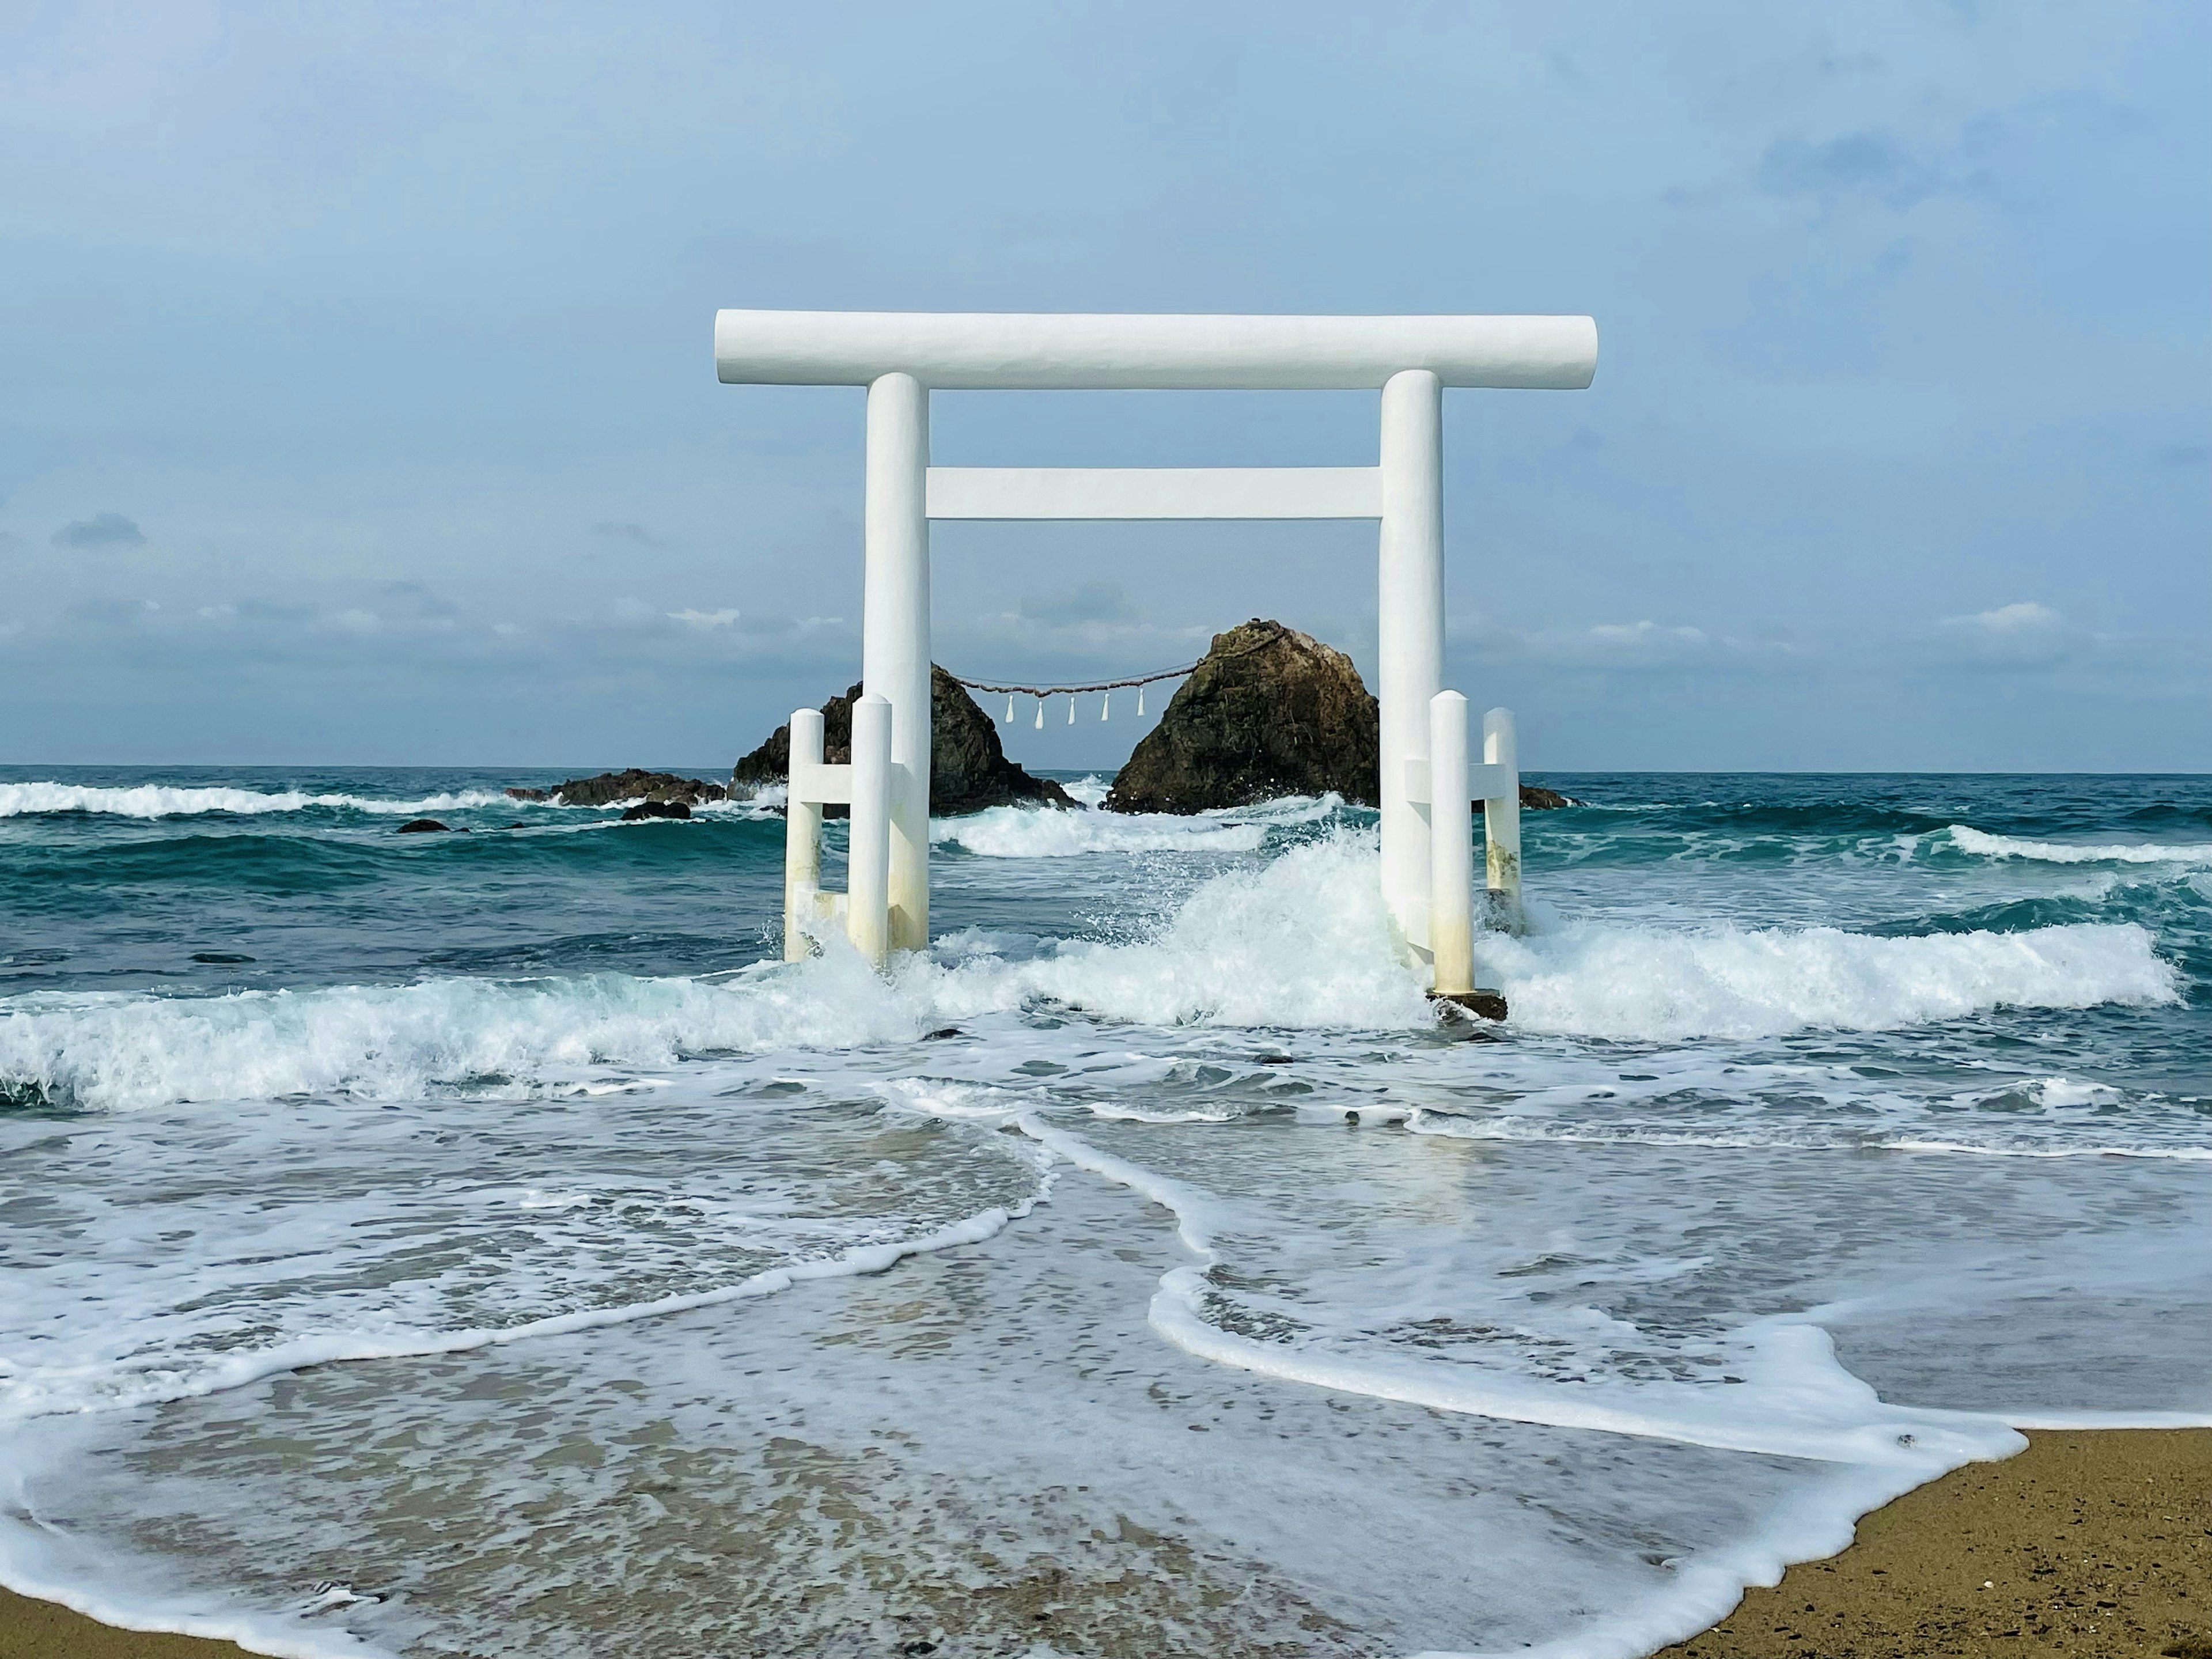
(706, 618)
(2024, 616)
(1640, 633)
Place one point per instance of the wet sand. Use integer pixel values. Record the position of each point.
(2091, 1544)
(2095, 1543)
(46, 1630)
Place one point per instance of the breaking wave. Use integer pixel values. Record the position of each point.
(1028, 832)
(1980, 842)
(1302, 941)
(1735, 983)
(154, 800)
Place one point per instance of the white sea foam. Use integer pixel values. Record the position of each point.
(112, 1052)
(1511, 1127)
(151, 800)
(1736, 983)
(1022, 832)
(107, 1384)
(1302, 941)
(1980, 842)
(765, 802)
(47, 1563)
(2062, 1091)
(1795, 1398)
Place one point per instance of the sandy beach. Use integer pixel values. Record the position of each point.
(2087, 1543)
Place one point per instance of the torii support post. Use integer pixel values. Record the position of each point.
(894, 633)
(1410, 630)
(899, 355)
(802, 834)
(865, 781)
(871, 836)
(1501, 820)
(1452, 848)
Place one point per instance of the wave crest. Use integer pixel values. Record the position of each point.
(1302, 941)
(1982, 844)
(154, 801)
(1028, 832)
(1639, 984)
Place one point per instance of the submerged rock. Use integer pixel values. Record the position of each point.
(655, 809)
(968, 766)
(424, 827)
(605, 788)
(1268, 712)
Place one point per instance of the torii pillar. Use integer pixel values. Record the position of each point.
(899, 356)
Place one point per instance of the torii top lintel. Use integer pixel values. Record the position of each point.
(1038, 351)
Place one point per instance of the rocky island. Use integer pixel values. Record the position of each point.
(1267, 712)
(968, 766)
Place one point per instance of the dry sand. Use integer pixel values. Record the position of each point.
(2086, 1544)
(2089, 1544)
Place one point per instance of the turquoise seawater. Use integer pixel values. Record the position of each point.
(479, 1243)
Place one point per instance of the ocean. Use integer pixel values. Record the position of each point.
(481, 1244)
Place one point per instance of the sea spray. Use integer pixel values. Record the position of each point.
(1300, 943)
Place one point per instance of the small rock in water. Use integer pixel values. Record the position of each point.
(655, 809)
(219, 956)
(514, 794)
(1483, 1005)
(608, 787)
(422, 827)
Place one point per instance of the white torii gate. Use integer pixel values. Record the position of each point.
(900, 356)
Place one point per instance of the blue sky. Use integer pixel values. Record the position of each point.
(356, 402)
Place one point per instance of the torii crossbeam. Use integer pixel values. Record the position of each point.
(900, 356)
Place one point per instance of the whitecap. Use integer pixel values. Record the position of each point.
(1302, 941)
(1631, 983)
(1968, 839)
(1027, 832)
(153, 800)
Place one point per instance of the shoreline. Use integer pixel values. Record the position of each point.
(2092, 1541)
(32, 1629)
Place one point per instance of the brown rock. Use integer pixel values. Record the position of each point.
(1268, 712)
(655, 809)
(968, 766)
(607, 788)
